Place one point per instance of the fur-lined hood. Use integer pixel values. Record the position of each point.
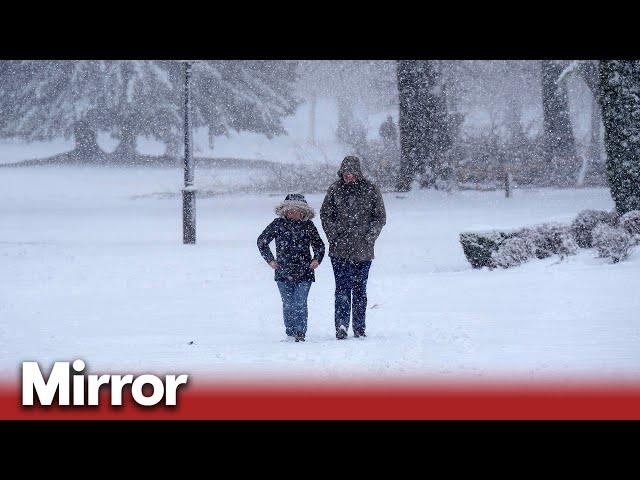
(307, 211)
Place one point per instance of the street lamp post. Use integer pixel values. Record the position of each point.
(189, 191)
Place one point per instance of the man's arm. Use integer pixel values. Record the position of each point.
(327, 215)
(378, 217)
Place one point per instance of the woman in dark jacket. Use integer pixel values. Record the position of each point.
(294, 233)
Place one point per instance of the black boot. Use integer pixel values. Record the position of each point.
(359, 333)
(341, 333)
(299, 337)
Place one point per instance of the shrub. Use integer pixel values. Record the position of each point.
(583, 225)
(514, 251)
(630, 221)
(551, 239)
(507, 249)
(613, 243)
(479, 246)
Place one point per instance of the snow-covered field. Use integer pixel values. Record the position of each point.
(93, 267)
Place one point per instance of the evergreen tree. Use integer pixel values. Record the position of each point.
(226, 96)
(143, 100)
(250, 95)
(42, 100)
(619, 88)
(424, 123)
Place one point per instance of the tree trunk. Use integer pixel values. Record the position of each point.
(312, 119)
(86, 139)
(619, 87)
(513, 116)
(589, 72)
(126, 150)
(595, 143)
(596, 132)
(558, 134)
(406, 124)
(344, 130)
(175, 149)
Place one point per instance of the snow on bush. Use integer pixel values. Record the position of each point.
(584, 224)
(514, 251)
(551, 239)
(630, 221)
(613, 243)
(478, 246)
(508, 249)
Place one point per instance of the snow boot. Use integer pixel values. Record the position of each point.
(358, 333)
(341, 333)
(299, 337)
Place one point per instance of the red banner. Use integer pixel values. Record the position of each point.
(377, 401)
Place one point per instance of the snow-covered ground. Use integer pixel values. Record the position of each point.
(93, 267)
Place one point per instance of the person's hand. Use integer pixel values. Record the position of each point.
(314, 264)
(273, 264)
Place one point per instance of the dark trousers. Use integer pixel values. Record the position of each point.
(294, 306)
(351, 288)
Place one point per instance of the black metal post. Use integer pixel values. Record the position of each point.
(189, 191)
(507, 182)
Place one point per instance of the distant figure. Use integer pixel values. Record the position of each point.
(389, 133)
(390, 150)
(352, 215)
(294, 233)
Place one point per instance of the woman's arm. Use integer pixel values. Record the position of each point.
(265, 239)
(316, 243)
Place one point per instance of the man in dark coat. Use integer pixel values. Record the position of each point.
(352, 216)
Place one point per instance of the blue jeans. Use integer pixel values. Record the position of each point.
(294, 306)
(351, 283)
